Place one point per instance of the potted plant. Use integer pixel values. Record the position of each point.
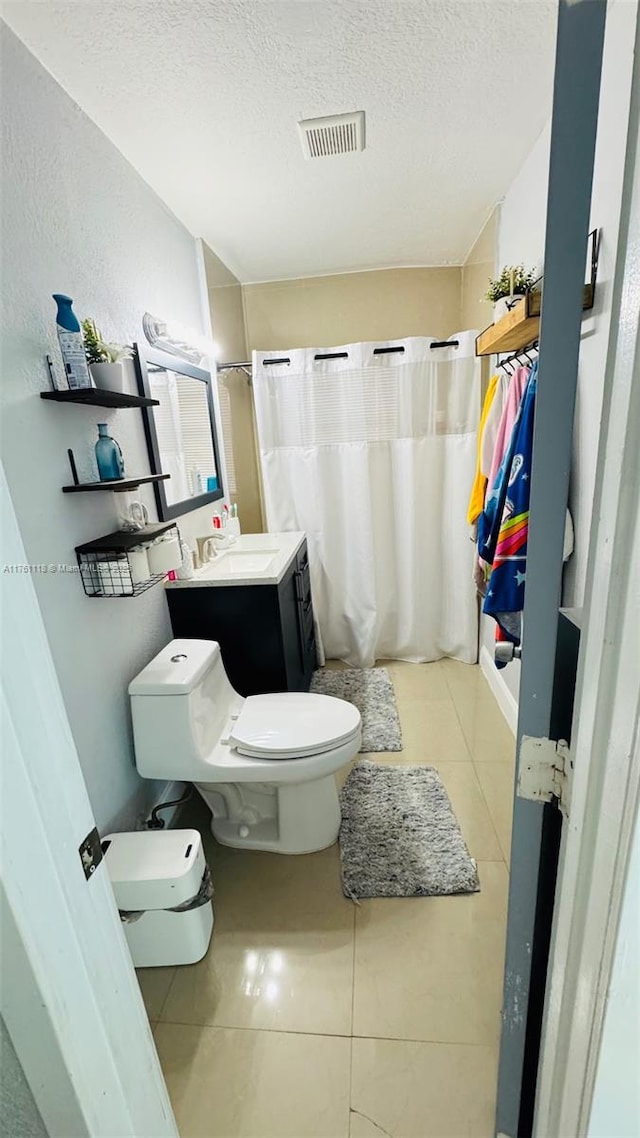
(104, 359)
(508, 289)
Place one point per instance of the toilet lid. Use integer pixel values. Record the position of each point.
(293, 724)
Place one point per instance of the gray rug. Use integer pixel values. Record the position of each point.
(371, 691)
(399, 836)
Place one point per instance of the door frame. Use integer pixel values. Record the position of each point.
(605, 748)
(537, 825)
(70, 998)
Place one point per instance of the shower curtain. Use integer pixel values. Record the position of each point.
(372, 454)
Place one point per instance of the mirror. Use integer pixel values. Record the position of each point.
(180, 431)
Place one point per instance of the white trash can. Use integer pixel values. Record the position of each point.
(163, 890)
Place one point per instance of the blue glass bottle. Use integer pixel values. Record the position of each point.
(108, 456)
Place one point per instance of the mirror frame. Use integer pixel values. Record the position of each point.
(143, 357)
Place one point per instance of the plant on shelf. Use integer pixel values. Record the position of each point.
(104, 359)
(507, 289)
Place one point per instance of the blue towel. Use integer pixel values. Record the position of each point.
(506, 523)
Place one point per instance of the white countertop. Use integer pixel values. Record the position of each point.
(253, 559)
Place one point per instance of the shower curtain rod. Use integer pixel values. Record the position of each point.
(336, 355)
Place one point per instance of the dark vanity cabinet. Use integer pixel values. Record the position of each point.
(266, 632)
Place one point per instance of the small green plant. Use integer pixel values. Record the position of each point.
(97, 350)
(513, 281)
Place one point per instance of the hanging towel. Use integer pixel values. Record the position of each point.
(492, 424)
(517, 388)
(489, 435)
(490, 519)
(476, 501)
(505, 593)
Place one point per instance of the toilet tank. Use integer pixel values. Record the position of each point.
(180, 704)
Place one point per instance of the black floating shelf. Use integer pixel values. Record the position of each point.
(96, 397)
(123, 540)
(118, 485)
(105, 568)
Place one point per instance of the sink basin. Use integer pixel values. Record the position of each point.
(239, 561)
(252, 559)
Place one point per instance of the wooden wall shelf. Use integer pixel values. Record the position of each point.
(96, 397)
(518, 328)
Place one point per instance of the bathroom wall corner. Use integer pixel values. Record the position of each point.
(89, 226)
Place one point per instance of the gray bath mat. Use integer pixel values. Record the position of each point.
(371, 691)
(399, 836)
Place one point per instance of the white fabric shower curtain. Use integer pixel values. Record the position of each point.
(373, 456)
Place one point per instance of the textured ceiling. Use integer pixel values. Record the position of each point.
(203, 97)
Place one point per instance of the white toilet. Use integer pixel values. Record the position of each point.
(264, 765)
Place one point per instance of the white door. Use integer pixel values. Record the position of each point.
(537, 824)
(70, 998)
(591, 1037)
(553, 1010)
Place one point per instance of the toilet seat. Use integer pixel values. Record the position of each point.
(290, 725)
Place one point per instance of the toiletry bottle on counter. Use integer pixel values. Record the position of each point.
(108, 456)
(71, 343)
(233, 524)
(185, 572)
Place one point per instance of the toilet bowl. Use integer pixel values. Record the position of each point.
(265, 765)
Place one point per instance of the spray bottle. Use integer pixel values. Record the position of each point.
(71, 343)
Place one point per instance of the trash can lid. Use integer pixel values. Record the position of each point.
(154, 869)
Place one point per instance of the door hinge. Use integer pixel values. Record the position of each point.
(544, 771)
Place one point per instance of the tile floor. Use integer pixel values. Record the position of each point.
(312, 1017)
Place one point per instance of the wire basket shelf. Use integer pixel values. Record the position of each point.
(105, 566)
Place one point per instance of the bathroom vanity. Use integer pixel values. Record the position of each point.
(254, 598)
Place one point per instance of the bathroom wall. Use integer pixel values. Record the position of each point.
(521, 233)
(381, 305)
(475, 312)
(225, 303)
(78, 219)
(238, 419)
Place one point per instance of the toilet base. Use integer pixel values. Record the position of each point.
(291, 818)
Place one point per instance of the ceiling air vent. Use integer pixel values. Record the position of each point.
(333, 134)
